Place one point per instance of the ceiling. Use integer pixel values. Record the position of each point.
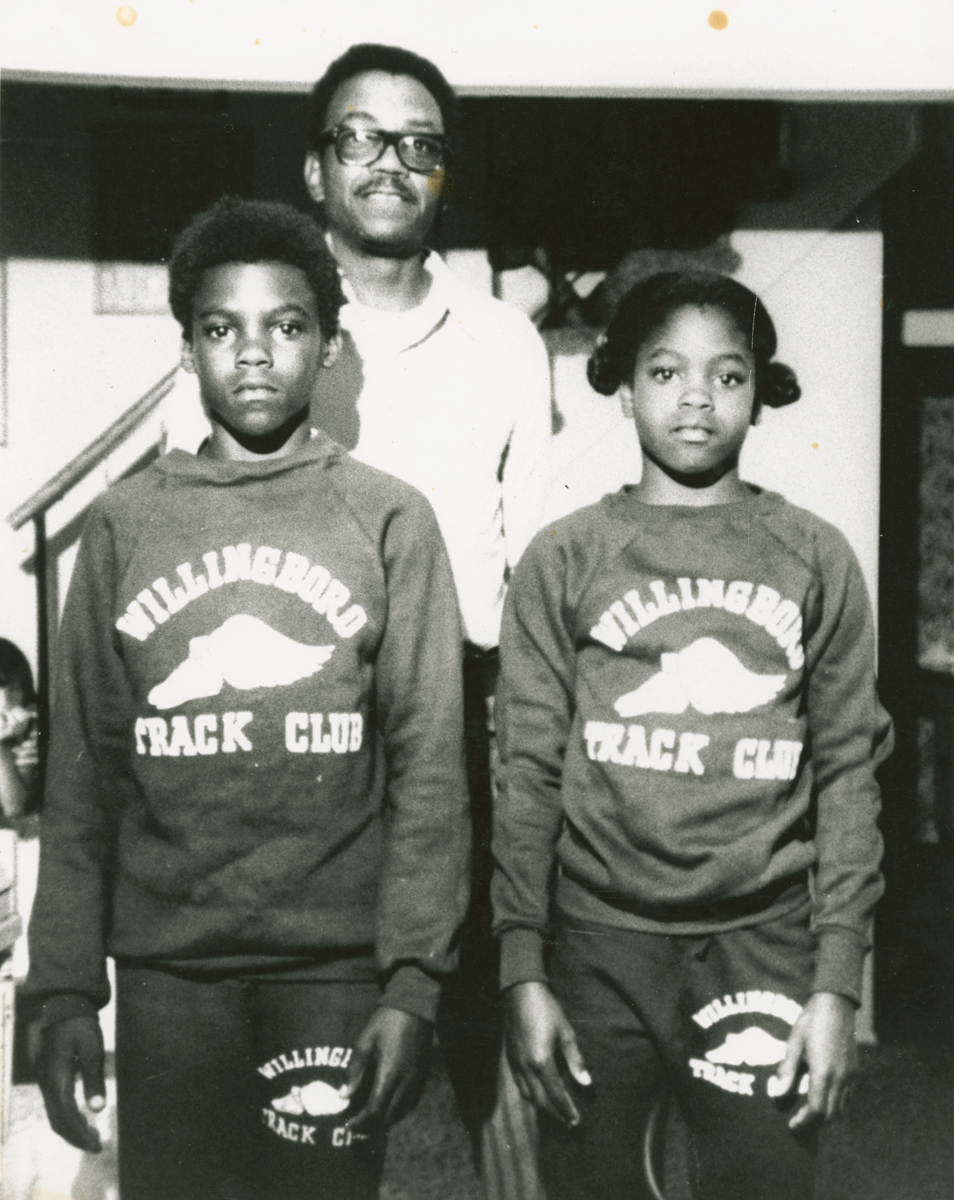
(786, 49)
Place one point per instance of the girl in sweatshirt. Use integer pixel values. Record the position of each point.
(686, 841)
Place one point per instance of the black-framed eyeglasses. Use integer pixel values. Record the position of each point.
(419, 152)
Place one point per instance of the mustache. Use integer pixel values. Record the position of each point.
(394, 184)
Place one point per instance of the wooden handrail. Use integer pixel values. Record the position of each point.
(57, 487)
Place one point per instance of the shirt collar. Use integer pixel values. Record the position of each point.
(379, 333)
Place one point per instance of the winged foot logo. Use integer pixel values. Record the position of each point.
(289, 1115)
(243, 652)
(317, 1099)
(752, 1047)
(704, 675)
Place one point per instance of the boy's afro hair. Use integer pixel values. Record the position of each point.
(253, 231)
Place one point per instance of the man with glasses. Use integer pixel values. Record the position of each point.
(439, 384)
(449, 389)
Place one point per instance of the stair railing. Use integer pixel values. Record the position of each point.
(35, 509)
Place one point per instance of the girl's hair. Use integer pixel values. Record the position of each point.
(253, 231)
(650, 304)
(15, 671)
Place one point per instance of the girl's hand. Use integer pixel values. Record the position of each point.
(536, 1030)
(823, 1038)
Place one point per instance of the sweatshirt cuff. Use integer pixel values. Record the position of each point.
(55, 1009)
(521, 957)
(840, 962)
(412, 991)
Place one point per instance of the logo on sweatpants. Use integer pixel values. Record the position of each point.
(751, 1046)
(287, 1114)
(317, 1099)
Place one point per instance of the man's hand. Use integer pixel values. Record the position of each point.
(388, 1068)
(70, 1048)
(823, 1039)
(536, 1031)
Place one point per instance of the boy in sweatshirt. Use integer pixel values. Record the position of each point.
(255, 797)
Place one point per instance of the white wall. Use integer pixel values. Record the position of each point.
(824, 293)
(69, 374)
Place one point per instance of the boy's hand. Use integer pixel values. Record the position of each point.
(536, 1028)
(388, 1068)
(823, 1038)
(70, 1048)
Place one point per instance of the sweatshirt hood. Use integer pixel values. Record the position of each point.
(185, 466)
(625, 505)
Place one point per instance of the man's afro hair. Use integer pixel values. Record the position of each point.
(253, 231)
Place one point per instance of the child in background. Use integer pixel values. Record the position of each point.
(689, 731)
(19, 771)
(255, 795)
(18, 748)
